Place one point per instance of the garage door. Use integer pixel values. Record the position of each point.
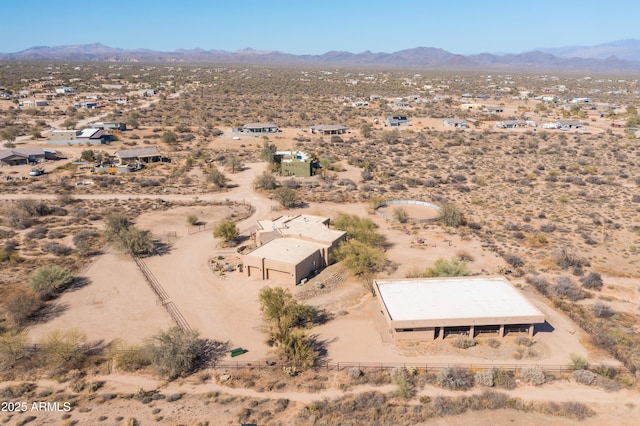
(279, 276)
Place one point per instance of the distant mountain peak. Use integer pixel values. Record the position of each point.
(621, 56)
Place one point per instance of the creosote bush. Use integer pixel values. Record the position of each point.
(593, 281)
(50, 279)
(450, 215)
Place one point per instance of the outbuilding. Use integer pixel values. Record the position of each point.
(436, 307)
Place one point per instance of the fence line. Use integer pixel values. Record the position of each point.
(163, 297)
(338, 366)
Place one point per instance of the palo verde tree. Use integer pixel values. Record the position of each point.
(286, 319)
(227, 230)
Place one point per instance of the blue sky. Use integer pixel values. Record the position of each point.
(317, 26)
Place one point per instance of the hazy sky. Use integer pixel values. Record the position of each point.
(317, 26)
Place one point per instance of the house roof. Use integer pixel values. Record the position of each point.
(307, 227)
(286, 250)
(329, 127)
(455, 120)
(20, 152)
(88, 133)
(442, 299)
(259, 125)
(151, 151)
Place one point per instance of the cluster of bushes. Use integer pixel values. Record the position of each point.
(128, 238)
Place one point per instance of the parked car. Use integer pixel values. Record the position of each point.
(36, 172)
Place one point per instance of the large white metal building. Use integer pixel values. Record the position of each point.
(429, 308)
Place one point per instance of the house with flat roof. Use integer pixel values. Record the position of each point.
(109, 126)
(296, 163)
(138, 155)
(430, 308)
(260, 128)
(291, 248)
(397, 121)
(511, 124)
(328, 129)
(457, 123)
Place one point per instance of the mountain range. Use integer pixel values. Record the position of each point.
(618, 56)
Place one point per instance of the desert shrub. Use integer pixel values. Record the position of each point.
(533, 375)
(524, 341)
(285, 196)
(175, 353)
(361, 259)
(49, 279)
(592, 281)
(462, 342)
(291, 183)
(55, 234)
(64, 348)
(564, 288)
(602, 310)
(547, 227)
(504, 379)
(445, 406)
(584, 377)
(227, 230)
(454, 379)
(566, 258)
(603, 340)
(355, 373)
(20, 305)
(539, 282)
(464, 256)
(513, 260)
(358, 228)
(474, 225)
(405, 386)
(450, 215)
(37, 233)
(607, 384)
(13, 346)
(448, 268)
(578, 362)
(83, 241)
(217, 178)
(484, 378)
(56, 248)
(493, 343)
(135, 241)
(400, 214)
(132, 359)
(265, 181)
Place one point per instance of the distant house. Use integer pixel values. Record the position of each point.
(511, 124)
(457, 123)
(401, 104)
(138, 155)
(147, 92)
(549, 97)
(493, 110)
(397, 121)
(467, 96)
(360, 103)
(18, 156)
(88, 136)
(477, 107)
(580, 100)
(64, 90)
(260, 128)
(109, 126)
(328, 129)
(88, 105)
(569, 124)
(35, 103)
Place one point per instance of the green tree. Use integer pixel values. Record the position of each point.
(13, 345)
(49, 279)
(64, 348)
(88, 155)
(265, 181)
(193, 220)
(268, 152)
(358, 228)
(362, 260)
(233, 163)
(135, 241)
(10, 134)
(286, 318)
(114, 224)
(286, 197)
(217, 178)
(227, 230)
(175, 353)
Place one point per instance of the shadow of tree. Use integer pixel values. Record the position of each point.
(212, 352)
(160, 248)
(48, 312)
(78, 283)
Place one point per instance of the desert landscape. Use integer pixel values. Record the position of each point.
(125, 289)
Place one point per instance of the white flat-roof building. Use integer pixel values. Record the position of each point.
(426, 308)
